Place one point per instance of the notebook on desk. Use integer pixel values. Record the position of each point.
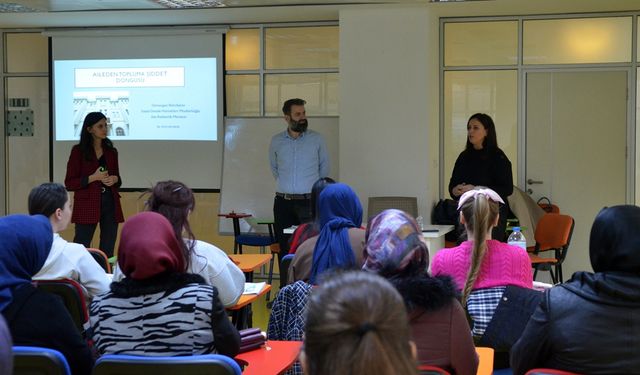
(253, 288)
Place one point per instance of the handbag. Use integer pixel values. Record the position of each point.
(547, 207)
(445, 212)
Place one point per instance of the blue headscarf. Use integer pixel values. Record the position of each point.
(25, 243)
(340, 210)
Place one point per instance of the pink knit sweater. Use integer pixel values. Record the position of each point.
(502, 265)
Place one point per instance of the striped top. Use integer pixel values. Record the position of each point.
(159, 324)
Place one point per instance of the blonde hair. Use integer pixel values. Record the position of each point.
(479, 214)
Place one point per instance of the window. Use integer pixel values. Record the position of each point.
(577, 41)
(267, 65)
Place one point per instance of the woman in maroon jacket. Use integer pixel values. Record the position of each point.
(94, 177)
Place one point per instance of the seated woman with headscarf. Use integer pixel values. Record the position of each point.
(159, 309)
(395, 250)
(34, 317)
(589, 324)
(340, 241)
(339, 246)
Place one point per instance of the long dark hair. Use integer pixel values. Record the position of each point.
(174, 200)
(317, 188)
(46, 198)
(86, 140)
(490, 142)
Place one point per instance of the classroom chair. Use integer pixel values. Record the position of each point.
(101, 258)
(33, 360)
(261, 241)
(549, 371)
(379, 204)
(211, 364)
(72, 297)
(432, 370)
(553, 233)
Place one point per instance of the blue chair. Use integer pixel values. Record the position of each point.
(32, 360)
(211, 364)
(259, 240)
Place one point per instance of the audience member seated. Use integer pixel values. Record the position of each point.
(588, 325)
(341, 216)
(66, 259)
(341, 240)
(175, 201)
(6, 357)
(357, 324)
(482, 268)
(158, 309)
(305, 231)
(34, 317)
(396, 250)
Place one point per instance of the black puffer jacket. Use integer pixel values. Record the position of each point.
(590, 325)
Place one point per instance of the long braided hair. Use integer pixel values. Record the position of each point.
(479, 213)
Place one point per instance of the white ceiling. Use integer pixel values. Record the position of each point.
(92, 5)
(114, 13)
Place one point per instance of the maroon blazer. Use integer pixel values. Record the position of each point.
(87, 198)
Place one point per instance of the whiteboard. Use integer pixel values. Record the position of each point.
(247, 183)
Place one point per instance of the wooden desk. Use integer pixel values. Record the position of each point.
(246, 299)
(248, 263)
(235, 216)
(274, 357)
(485, 365)
(241, 311)
(434, 236)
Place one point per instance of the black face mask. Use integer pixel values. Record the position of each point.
(299, 126)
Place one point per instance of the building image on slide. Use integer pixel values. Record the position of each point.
(114, 105)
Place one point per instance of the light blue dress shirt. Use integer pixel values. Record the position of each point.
(297, 163)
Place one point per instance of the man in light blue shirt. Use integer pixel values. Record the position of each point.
(298, 158)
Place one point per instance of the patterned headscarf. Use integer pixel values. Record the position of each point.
(394, 242)
(25, 243)
(148, 247)
(340, 210)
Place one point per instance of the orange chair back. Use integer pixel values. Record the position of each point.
(101, 258)
(432, 370)
(553, 232)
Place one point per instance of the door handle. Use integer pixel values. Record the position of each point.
(531, 182)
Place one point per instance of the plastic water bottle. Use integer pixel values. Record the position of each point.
(420, 222)
(516, 238)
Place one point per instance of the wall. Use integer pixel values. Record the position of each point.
(388, 114)
(203, 220)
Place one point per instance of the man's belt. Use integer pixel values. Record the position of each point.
(293, 196)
